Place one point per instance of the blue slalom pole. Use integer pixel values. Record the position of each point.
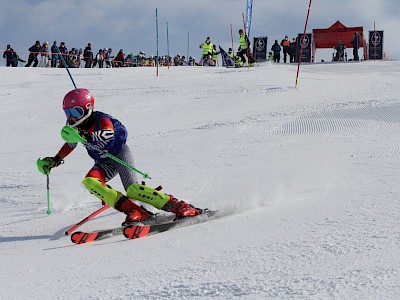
(157, 40)
(66, 67)
(187, 55)
(168, 45)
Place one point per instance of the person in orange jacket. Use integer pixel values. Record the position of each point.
(286, 48)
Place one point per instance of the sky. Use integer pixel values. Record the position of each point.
(131, 25)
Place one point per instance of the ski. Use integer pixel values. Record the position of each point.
(81, 237)
(140, 231)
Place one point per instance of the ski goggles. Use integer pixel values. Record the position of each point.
(76, 112)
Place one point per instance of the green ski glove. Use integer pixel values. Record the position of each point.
(71, 135)
(46, 164)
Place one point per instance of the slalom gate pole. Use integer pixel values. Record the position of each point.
(118, 160)
(375, 42)
(246, 37)
(187, 53)
(301, 45)
(48, 195)
(168, 45)
(233, 49)
(92, 215)
(157, 40)
(66, 67)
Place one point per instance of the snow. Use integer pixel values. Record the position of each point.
(307, 178)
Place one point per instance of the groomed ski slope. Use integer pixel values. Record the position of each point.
(310, 178)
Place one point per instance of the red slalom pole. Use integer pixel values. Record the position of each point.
(246, 38)
(233, 51)
(92, 215)
(301, 44)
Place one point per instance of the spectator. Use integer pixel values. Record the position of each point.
(119, 60)
(109, 58)
(54, 55)
(8, 55)
(292, 50)
(238, 61)
(131, 59)
(340, 51)
(356, 45)
(88, 56)
(276, 49)
(79, 57)
(99, 59)
(182, 61)
(230, 53)
(214, 55)
(64, 54)
(207, 47)
(73, 58)
(176, 60)
(286, 48)
(270, 56)
(34, 52)
(16, 58)
(44, 56)
(152, 61)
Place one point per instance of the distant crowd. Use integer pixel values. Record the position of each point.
(42, 55)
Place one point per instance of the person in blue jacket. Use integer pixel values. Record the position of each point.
(54, 55)
(356, 46)
(34, 52)
(276, 49)
(8, 55)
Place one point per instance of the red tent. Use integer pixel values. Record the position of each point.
(330, 37)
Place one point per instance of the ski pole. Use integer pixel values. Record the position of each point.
(92, 215)
(145, 175)
(48, 195)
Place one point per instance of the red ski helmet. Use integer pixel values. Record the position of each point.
(78, 105)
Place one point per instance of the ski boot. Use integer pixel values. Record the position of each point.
(134, 213)
(162, 201)
(180, 208)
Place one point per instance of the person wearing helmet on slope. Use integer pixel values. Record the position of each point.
(101, 133)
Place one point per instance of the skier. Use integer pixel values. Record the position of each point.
(101, 133)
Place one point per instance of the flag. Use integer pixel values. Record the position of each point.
(226, 60)
(249, 10)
